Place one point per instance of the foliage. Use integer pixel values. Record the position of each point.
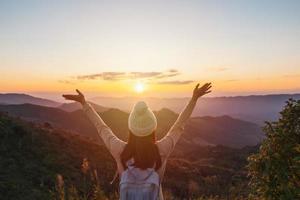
(275, 169)
(91, 190)
(42, 162)
(31, 156)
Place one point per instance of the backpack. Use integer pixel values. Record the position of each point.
(138, 184)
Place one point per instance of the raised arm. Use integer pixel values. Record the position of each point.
(114, 144)
(167, 144)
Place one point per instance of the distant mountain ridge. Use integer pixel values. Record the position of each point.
(254, 108)
(17, 98)
(199, 130)
(70, 107)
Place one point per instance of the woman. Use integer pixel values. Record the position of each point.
(141, 161)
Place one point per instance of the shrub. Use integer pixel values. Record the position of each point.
(275, 170)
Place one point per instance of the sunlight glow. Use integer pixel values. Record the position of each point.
(139, 87)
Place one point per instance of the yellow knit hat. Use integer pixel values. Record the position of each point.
(142, 121)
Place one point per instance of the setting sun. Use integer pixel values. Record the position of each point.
(139, 87)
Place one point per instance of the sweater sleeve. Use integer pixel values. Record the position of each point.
(167, 143)
(111, 141)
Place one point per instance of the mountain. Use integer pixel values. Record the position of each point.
(222, 130)
(15, 98)
(73, 121)
(70, 107)
(32, 156)
(254, 108)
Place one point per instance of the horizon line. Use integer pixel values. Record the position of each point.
(153, 97)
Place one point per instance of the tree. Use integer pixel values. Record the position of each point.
(275, 170)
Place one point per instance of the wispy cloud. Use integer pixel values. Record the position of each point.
(175, 82)
(66, 82)
(144, 74)
(89, 77)
(129, 75)
(103, 75)
(170, 73)
(231, 80)
(152, 76)
(111, 76)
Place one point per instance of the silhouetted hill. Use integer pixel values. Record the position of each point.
(32, 155)
(70, 107)
(199, 131)
(15, 98)
(223, 130)
(254, 108)
(74, 121)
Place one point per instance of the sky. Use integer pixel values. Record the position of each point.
(149, 48)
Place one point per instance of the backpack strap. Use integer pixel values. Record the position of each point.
(115, 177)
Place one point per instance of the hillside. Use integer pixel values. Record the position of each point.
(74, 121)
(254, 108)
(16, 98)
(32, 155)
(71, 107)
(199, 130)
(222, 130)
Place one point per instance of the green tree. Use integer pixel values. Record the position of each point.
(275, 170)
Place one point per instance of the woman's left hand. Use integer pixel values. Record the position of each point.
(75, 97)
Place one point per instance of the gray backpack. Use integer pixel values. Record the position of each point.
(138, 184)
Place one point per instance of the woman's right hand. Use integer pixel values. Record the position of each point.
(75, 97)
(203, 90)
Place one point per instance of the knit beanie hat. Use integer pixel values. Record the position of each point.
(141, 121)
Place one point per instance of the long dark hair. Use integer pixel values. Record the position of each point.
(143, 150)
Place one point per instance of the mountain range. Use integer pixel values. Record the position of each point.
(223, 130)
(17, 98)
(230, 121)
(255, 108)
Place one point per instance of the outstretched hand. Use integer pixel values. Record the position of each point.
(75, 97)
(199, 92)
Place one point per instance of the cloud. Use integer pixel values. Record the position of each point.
(156, 77)
(89, 77)
(111, 76)
(231, 80)
(144, 74)
(103, 75)
(169, 74)
(66, 82)
(175, 82)
(173, 70)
